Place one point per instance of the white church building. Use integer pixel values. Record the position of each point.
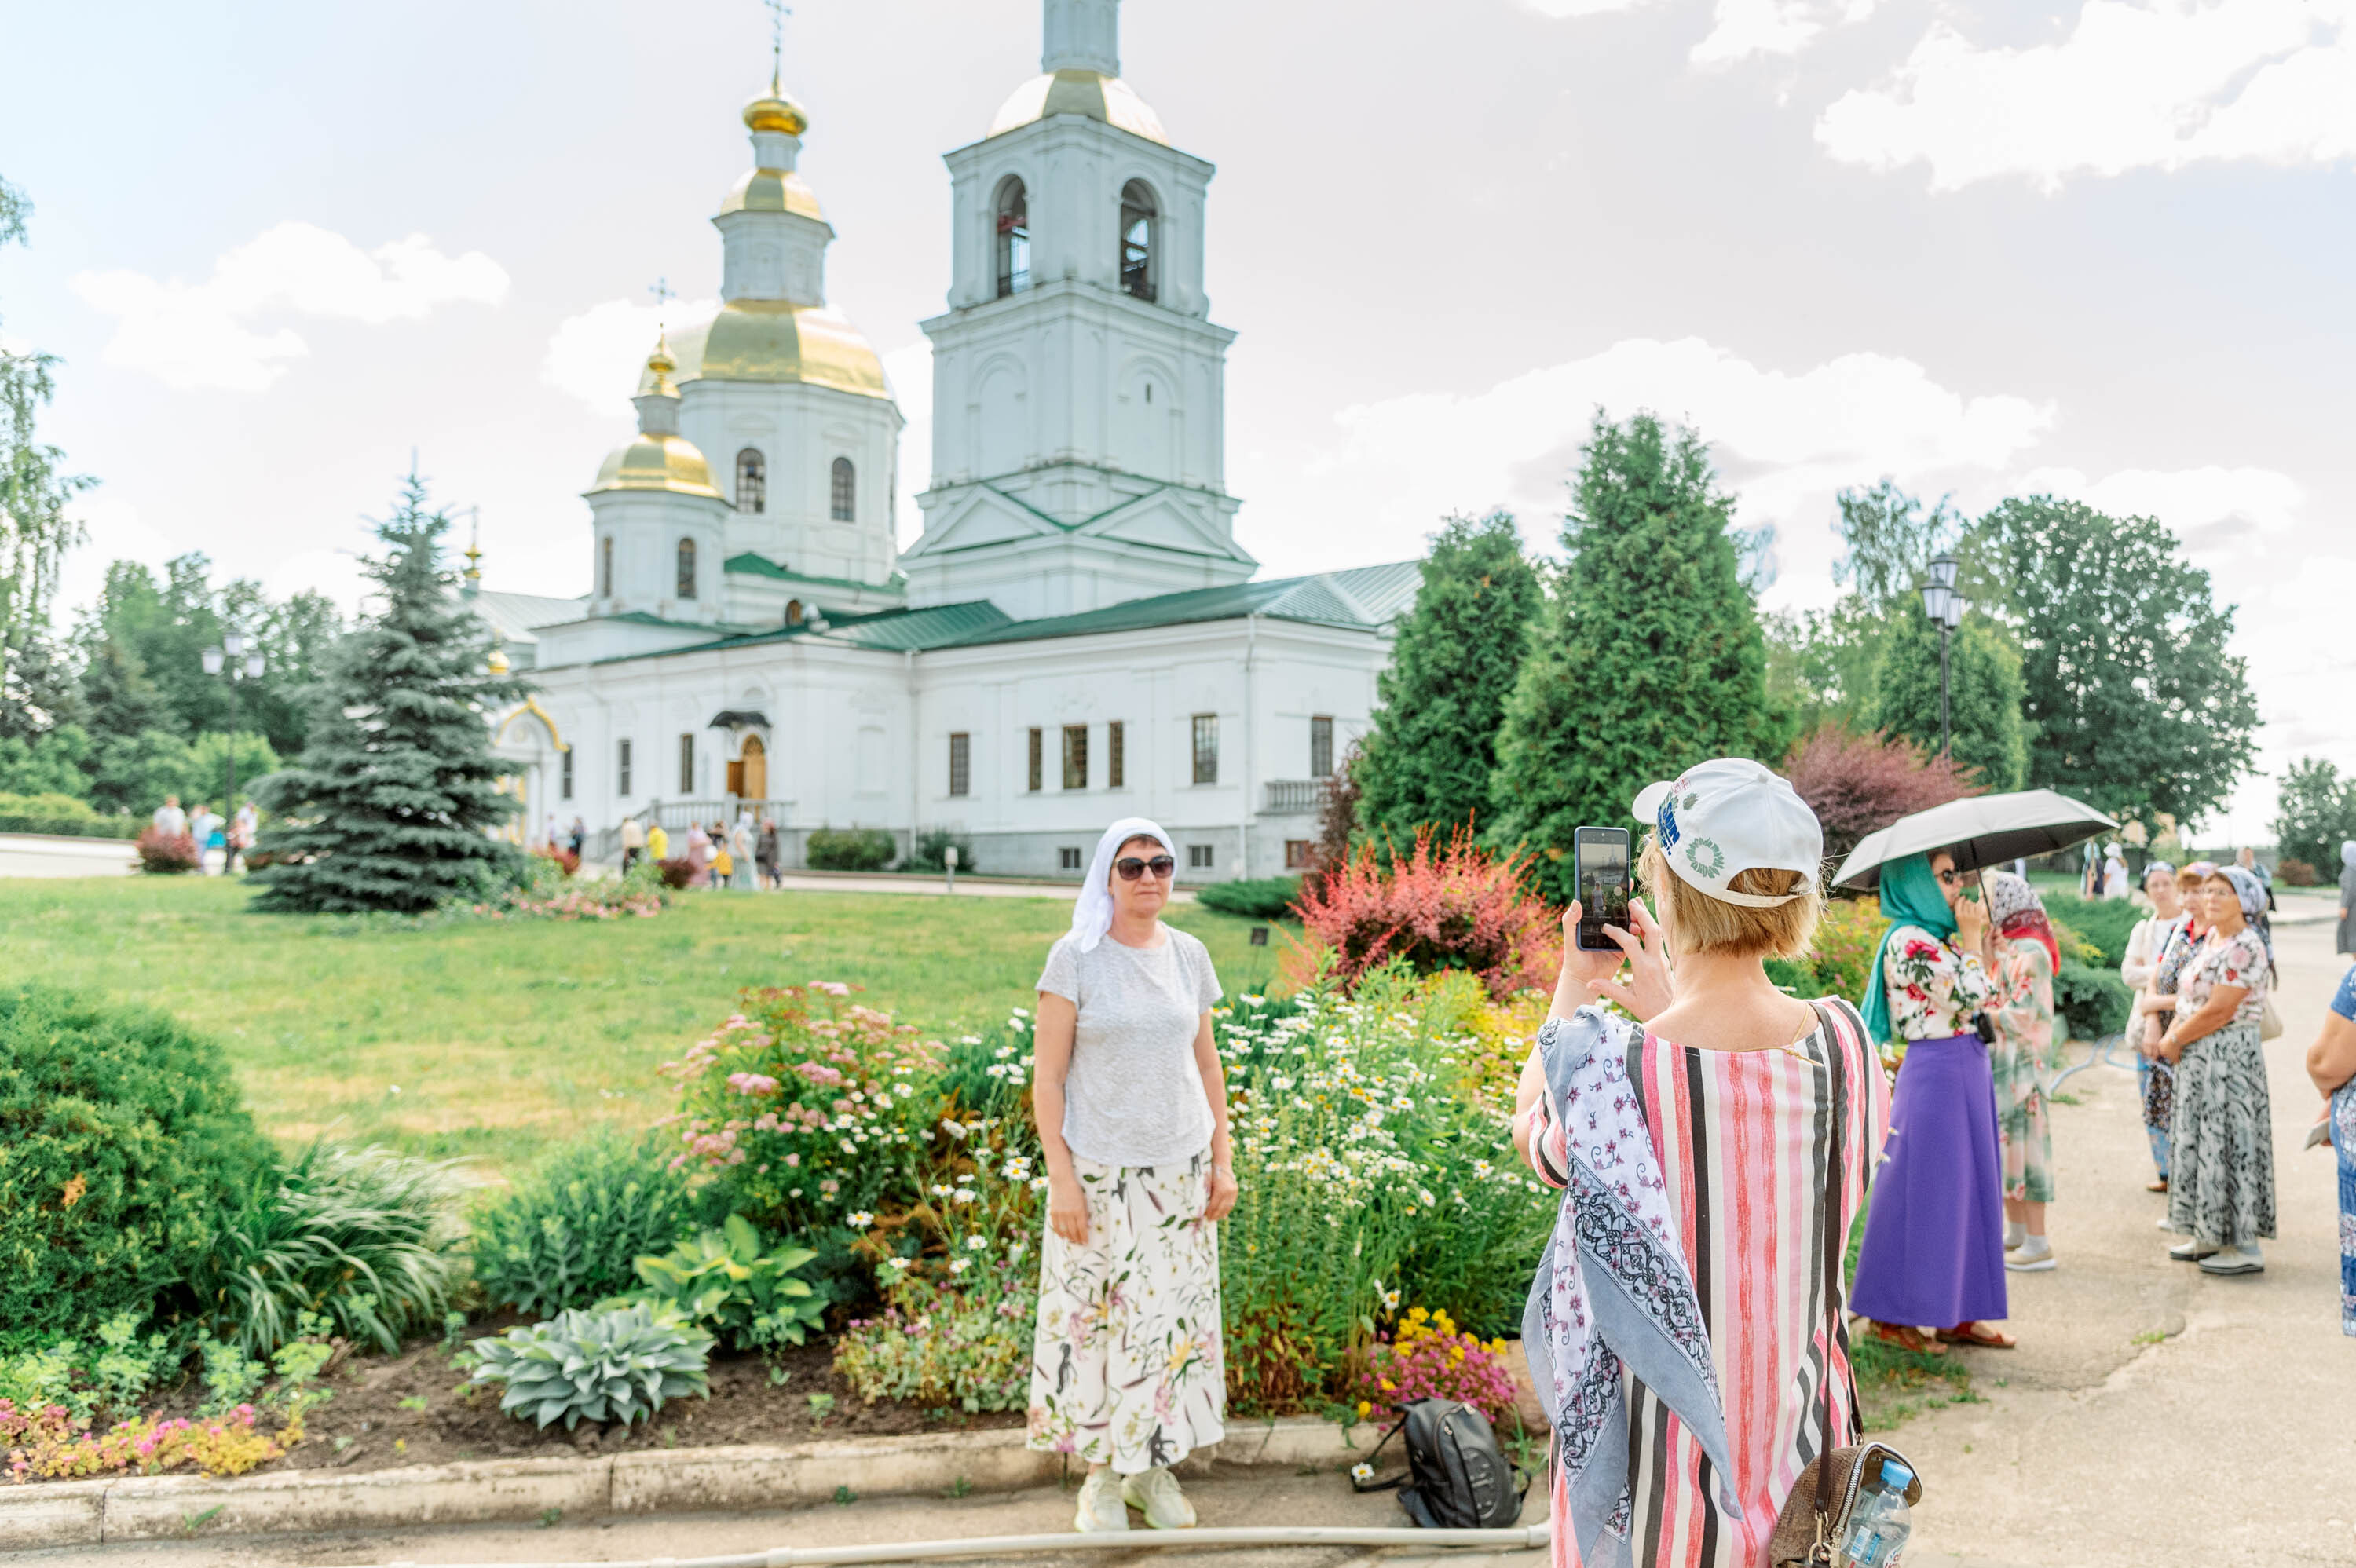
(1075, 636)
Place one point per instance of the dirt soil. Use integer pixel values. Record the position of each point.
(415, 1409)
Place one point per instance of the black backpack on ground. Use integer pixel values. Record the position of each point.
(1457, 1478)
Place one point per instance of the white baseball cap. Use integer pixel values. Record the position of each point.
(1728, 815)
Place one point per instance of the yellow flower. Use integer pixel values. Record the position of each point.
(1364, 1408)
(1388, 1386)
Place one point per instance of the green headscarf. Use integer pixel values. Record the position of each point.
(1910, 896)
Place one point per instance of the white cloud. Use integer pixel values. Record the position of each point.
(1746, 27)
(597, 356)
(205, 334)
(2159, 85)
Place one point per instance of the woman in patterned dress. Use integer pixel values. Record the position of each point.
(1127, 1369)
(2331, 1065)
(1933, 1252)
(2139, 967)
(1705, 1138)
(2220, 1195)
(2027, 956)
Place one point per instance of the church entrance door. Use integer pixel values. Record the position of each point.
(756, 764)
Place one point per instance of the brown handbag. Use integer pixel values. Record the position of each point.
(1816, 1516)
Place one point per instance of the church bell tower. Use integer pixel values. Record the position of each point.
(1079, 382)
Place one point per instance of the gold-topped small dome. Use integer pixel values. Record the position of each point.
(1088, 93)
(772, 111)
(777, 340)
(773, 191)
(657, 463)
(498, 663)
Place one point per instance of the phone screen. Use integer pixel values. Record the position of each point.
(1602, 876)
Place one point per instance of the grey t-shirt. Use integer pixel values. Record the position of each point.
(1134, 1096)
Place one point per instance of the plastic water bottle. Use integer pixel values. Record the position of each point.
(1879, 1524)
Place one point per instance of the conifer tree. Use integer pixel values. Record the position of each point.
(392, 801)
(1984, 693)
(1650, 658)
(1434, 737)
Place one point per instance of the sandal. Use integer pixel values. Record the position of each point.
(1980, 1334)
(1906, 1336)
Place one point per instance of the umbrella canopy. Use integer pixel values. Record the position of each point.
(1981, 829)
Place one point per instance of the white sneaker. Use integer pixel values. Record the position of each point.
(2244, 1259)
(1156, 1495)
(1100, 1504)
(2034, 1255)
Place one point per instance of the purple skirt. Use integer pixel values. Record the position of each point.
(1933, 1251)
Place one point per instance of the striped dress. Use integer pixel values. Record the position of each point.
(1742, 1138)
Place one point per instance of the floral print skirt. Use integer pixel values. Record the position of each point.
(2221, 1184)
(2343, 1144)
(1126, 1365)
(2020, 1120)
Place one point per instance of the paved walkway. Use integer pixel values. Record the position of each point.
(40, 855)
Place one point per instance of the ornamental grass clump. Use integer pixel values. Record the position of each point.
(1427, 1357)
(622, 1363)
(1448, 907)
(806, 1106)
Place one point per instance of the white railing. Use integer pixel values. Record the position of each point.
(1295, 797)
(605, 843)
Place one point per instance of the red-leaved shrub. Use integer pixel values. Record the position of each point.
(2295, 873)
(166, 854)
(1456, 908)
(566, 860)
(1858, 784)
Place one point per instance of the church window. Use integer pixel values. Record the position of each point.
(605, 567)
(623, 768)
(687, 765)
(960, 763)
(1202, 857)
(752, 480)
(686, 569)
(1207, 748)
(1068, 857)
(1320, 746)
(1296, 854)
(1036, 775)
(564, 776)
(1116, 764)
(793, 612)
(1076, 756)
(1139, 219)
(843, 504)
(1013, 238)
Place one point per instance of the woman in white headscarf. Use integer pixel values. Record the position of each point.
(1128, 1371)
(2345, 941)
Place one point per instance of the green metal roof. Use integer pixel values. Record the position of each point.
(749, 564)
(1365, 596)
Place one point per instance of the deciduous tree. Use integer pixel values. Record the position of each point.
(2315, 812)
(1984, 694)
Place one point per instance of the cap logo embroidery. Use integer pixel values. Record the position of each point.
(1666, 819)
(1710, 867)
(1693, 800)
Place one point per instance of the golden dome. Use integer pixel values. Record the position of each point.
(657, 463)
(1099, 97)
(777, 340)
(773, 191)
(772, 111)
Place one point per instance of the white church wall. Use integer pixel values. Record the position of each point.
(799, 430)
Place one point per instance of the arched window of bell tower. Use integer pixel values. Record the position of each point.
(686, 584)
(842, 503)
(752, 480)
(1013, 210)
(1141, 218)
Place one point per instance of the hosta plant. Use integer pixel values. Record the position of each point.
(617, 1364)
(728, 1280)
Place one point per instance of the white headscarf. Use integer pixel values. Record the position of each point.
(1092, 915)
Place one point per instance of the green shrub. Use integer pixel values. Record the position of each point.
(2104, 923)
(1254, 898)
(62, 815)
(850, 848)
(2091, 1003)
(571, 1235)
(726, 1279)
(619, 1364)
(362, 1237)
(123, 1143)
(930, 851)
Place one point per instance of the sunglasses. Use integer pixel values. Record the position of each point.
(1131, 868)
(1949, 875)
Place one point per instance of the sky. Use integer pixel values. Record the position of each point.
(2093, 248)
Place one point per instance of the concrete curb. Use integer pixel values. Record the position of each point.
(677, 1481)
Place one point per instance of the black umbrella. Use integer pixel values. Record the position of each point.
(1980, 830)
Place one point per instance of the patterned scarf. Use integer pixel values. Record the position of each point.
(1611, 1291)
(2019, 912)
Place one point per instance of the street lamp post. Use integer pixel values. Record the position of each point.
(1946, 608)
(232, 664)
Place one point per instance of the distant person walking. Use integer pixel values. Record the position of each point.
(205, 827)
(578, 839)
(2220, 1195)
(2114, 872)
(658, 843)
(698, 854)
(634, 842)
(2146, 944)
(170, 820)
(2027, 958)
(740, 850)
(765, 853)
(1933, 1251)
(2331, 1067)
(1128, 1371)
(244, 829)
(2344, 940)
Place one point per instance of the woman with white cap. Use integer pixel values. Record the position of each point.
(1684, 1331)
(1128, 1371)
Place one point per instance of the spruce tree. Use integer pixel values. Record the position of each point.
(1984, 693)
(1437, 706)
(391, 803)
(1650, 659)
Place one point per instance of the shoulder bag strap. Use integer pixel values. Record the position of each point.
(1835, 1176)
(1397, 1480)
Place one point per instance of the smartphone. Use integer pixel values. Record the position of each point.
(1600, 866)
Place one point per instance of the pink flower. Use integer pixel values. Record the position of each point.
(752, 1084)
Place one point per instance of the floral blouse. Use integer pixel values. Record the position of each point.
(1934, 988)
(2236, 960)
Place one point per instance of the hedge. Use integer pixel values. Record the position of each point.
(1255, 898)
(69, 827)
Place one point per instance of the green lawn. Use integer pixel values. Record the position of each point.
(490, 1040)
